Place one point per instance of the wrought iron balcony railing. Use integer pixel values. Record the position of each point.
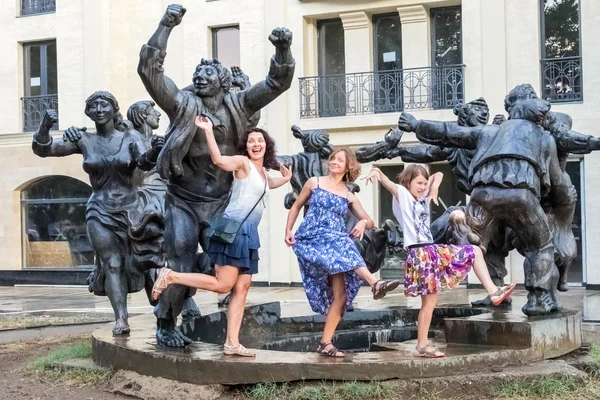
(30, 7)
(561, 79)
(382, 91)
(34, 108)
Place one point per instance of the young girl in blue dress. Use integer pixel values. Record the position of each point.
(331, 266)
(431, 268)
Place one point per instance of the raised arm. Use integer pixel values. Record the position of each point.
(281, 74)
(301, 200)
(43, 144)
(152, 56)
(444, 134)
(435, 181)
(376, 174)
(286, 175)
(227, 163)
(422, 154)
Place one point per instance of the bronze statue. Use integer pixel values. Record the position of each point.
(197, 189)
(124, 230)
(313, 161)
(472, 114)
(514, 167)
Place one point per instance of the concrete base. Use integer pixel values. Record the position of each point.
(474, 343)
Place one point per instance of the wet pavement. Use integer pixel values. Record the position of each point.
(65, 300)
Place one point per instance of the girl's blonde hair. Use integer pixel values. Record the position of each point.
(352, 165)
(411, 172)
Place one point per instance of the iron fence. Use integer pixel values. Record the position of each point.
(381, 91)
(34, 108)
(30, 7)
(562, 80)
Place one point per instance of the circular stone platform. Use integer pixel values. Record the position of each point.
(379, 345)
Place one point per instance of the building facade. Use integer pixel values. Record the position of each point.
(359, 64)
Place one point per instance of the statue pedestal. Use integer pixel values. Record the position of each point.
(379, 343)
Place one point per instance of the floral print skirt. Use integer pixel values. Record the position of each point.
(434, 268)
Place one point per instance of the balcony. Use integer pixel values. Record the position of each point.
(34, 108)
(561, 79)
(32, 7)
(381, 92)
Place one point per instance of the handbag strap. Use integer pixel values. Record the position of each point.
(260, 198)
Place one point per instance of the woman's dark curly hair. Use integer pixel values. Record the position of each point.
(270, 159)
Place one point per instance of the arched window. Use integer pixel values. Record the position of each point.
(53, 215)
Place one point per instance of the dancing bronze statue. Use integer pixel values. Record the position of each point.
(197, 189)
(125, 231)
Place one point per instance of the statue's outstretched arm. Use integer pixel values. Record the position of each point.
(281, 74)
(444, 134)
(152, 56)
(44, 146)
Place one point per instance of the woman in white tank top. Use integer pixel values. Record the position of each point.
(235, 263)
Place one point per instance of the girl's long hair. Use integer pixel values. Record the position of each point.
(411, 172)
(270, 160)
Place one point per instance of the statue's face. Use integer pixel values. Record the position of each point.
(206, 81)
(477, 115)
(152, 117)
(100, 111)
(256, 145)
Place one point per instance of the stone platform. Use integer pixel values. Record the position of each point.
(379, 345)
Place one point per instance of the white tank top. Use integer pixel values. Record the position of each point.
(244, 195)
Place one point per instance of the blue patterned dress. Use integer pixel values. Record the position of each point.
(324, 247)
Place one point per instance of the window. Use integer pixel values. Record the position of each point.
(332, 67)
(575, 171)
(41, 85)
(387, 45)
(31, 7)
(226, 45)
(393, 264)
(446, 57)
(54, 232)
(561, 50)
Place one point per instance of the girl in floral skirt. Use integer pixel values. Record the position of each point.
(431, 268)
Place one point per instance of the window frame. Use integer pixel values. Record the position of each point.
(215, 41)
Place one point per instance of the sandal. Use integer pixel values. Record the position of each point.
(333, 352)
(428, 352)
(379, 290)
(160, 283)
(502, 294)
(239, 350)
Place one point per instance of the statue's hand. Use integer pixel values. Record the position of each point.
(407, 122)
(281, 38)
(594, 143)
(239, 78)
(73, 134)
(50, 118)
(173, 15)
(157, 142)
(392, 138)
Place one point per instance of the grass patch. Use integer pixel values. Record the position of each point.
(29, 321)
(544, 386)
(48, 367)
(595, 356)
(323, 391)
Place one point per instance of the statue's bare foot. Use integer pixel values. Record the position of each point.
(121, 327)
(169, 338)
(190, 309)
(185, 339)
(539, 302)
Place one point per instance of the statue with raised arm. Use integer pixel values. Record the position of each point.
(472, 114)
(124, 230)
(514, 167)
(314, 161)
(197, 189)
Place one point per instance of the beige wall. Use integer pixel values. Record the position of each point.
(99, 41)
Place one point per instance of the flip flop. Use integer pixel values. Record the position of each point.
(502, 294)
(428, 352)
(380, 290)
(238, 350)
